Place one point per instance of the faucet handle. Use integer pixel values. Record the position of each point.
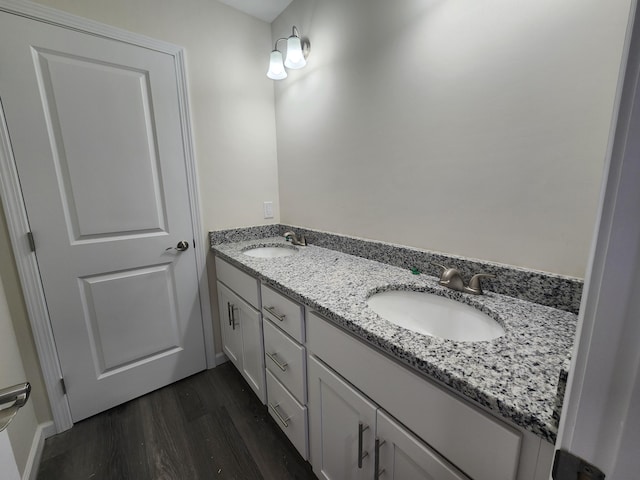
(444, 269)
(293, 238)
(475, 286)
(451, 277)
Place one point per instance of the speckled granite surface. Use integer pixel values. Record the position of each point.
(548, 289)
(515, 376)
(247, 233)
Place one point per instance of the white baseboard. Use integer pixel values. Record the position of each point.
(44, 431)
(221, 358)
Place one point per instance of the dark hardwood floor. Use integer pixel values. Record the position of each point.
(208, 426)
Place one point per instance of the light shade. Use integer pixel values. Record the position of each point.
(276, 68)
(295, 57)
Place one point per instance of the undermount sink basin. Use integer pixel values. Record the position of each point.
(435, 315)
(271, 251)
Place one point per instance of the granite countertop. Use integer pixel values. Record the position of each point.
(515, 376)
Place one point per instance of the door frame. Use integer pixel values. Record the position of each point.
(601, 410)
(18, 224)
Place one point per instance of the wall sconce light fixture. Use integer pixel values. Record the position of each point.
(297, 53)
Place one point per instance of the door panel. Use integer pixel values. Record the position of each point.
(95, 129)
(94, 155)
(146, 310)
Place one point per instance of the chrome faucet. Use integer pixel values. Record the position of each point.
(293, 238)
(452, 278)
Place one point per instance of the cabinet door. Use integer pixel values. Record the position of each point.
(250, 321)
(342, 426)
(231, 333)
(241, 326)
(402, 456)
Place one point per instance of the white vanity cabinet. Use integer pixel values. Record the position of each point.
(353, 411)
(352, 437)
(241, 324)
(477, 444)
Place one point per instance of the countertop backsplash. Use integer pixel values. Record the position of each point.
(552, 290)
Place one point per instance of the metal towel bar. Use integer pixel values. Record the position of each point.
(11, 400)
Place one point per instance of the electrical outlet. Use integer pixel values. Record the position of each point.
(268, 209)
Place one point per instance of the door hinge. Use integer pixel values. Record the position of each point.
(63, 385)
(31, 240)
(566, 466)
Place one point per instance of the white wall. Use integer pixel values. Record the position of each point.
(21, 325)
(22, 429)
(231, 98)
(473, 128)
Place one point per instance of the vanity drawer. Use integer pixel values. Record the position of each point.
(241, 283)
(288, 414)
(286, 360)
(283, 312)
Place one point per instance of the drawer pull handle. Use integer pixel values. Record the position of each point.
(361, 455)
(281, 366)
(376, 464)
(276, 412)
(232, 318)
(230, 314)
(272, 311)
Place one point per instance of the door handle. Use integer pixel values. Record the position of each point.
(180, 247)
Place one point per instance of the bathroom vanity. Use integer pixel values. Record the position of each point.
(359, 396)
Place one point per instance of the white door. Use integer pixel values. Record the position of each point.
(342, 426)
(94, 126)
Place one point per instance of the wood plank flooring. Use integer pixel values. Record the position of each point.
(208, 426)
